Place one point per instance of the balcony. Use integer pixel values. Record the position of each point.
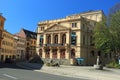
(55, 45)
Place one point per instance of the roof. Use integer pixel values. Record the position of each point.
(30, 34)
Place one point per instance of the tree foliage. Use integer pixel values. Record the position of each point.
(107, 32)
(102, 37)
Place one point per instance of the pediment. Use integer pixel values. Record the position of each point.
(56, 27)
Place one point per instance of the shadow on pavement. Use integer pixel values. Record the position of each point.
(33, 64)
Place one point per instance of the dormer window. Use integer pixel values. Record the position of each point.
(74, 25)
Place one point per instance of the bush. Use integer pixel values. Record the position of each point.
(48, 64)
(113, 65)
(53, 64)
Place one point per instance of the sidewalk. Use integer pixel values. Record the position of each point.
(85, 72)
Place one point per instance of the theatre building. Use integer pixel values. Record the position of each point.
(69, 40)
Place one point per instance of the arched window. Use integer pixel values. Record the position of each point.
(62, 53)
(92, 53)
(73, 53)
(64, 38)
(99, 53)
(49, 39)
(56, 39)
(40, 52)
(47, 55)
(54, 53)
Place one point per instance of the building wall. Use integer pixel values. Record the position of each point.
(2, 20)
(32, 47)
(8, 46)
(21, 46)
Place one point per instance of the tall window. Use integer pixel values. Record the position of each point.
(49, 39)
(83, 39)
(54, 53)
(47, 55)
(99, 53)
(41, 40)
(73, 53)
(73, 38)
(40, 52)
(64, 38)
(92, 53)
(62, 53)
(56, 39)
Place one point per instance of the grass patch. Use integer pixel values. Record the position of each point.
(113, 65)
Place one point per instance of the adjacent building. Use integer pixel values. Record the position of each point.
(30, 38)
(69, 39)
(2, 20)
(8, 46)
(20, 47)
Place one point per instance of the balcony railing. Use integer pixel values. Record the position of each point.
(55, 45)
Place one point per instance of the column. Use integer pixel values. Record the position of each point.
(43, 53)
(67, 53)
(38, 40)
(51, 54)
(58, 53)
(68, 38)
(52, 39)
(59, 38)
(44, 39)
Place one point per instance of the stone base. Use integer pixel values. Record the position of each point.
(98, 67)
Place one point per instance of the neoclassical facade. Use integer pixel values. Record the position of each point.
(68, 39)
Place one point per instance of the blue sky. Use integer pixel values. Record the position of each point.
(27, 13)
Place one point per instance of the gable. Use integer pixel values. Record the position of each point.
(56, 27)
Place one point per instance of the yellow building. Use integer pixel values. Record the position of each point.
(69, 40)
(8, 46)
(2, 20)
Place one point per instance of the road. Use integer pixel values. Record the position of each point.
(13, 72)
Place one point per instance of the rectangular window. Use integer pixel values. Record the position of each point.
(42, 28)
(74, 25)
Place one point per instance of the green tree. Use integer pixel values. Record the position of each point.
(107, 34)
(115, 32)
(102, 37)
